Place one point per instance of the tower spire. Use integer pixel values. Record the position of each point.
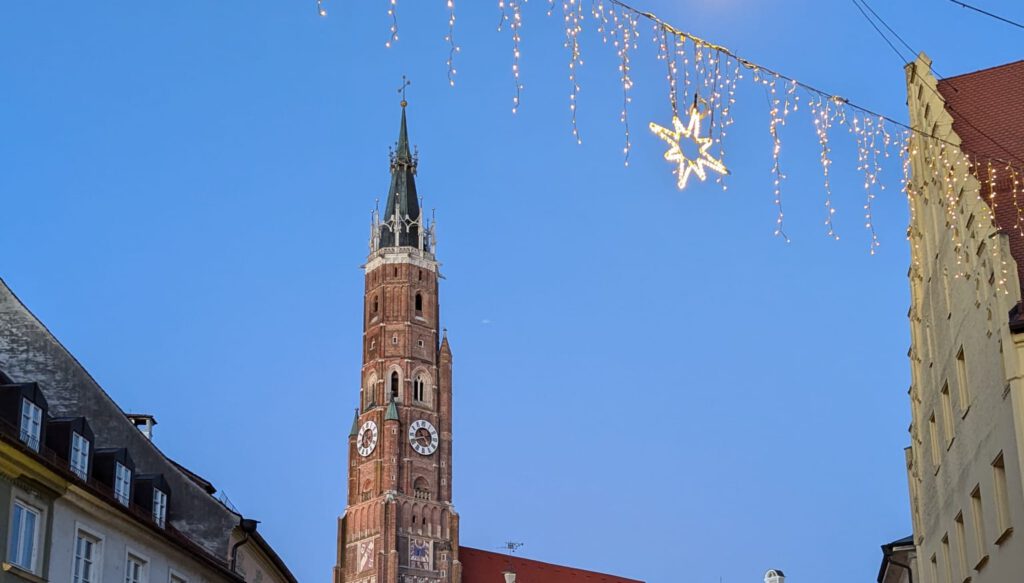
(402, 151)
(402, 222)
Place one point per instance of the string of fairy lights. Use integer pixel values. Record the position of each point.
(704, 78)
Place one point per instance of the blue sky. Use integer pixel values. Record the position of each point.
(647, 381)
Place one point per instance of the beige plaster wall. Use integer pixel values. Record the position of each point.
(965, 411)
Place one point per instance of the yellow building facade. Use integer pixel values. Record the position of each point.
(964, 462)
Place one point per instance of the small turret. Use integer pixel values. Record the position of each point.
(355, 425)
(392, 412)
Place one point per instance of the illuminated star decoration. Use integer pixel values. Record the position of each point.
(675, 154)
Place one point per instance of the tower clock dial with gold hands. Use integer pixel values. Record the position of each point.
(423, 437)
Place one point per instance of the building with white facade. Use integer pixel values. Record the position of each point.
(85, 494)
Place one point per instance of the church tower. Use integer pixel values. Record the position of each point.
(399, 523)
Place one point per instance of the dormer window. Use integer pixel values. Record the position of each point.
(159, 507)
(31, 423)
(152, 494)
(70, 439)
(122, 483)
(79, 455)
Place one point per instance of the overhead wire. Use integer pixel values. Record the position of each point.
(882, 34)
(949, 106)
(830, 96)
(987, 13)
(890, 29)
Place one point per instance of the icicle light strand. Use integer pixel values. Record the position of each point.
(712, 72)
(624, 39)
(453, 48)
(393, 13)
(514, 20)
(572, 11)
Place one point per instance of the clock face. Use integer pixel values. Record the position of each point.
(365, 555)
(423, 437)
(366, 441)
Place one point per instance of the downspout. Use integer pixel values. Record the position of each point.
(248, 527)
(910, 573)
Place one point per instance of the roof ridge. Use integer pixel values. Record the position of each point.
(985, 70)
(535, 562)
(175, 465)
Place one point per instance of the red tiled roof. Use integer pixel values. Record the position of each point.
(987, 107)
(990, 100)
(487, 567)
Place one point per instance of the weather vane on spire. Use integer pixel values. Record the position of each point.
(405, 83)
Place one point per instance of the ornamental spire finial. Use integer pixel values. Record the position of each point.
(405, 83)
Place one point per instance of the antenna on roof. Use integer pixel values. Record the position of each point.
(512, 547)
(510, 573)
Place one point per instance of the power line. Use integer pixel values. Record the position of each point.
(987, 13)
(889, 28)
(879, 31)
(949, 106)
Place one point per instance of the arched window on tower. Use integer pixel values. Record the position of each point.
(419, 303)
(376, 305)
(418, 389)
(394, 385)
(421, 489)
(368, 392)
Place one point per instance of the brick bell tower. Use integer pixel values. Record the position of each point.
(399, 524)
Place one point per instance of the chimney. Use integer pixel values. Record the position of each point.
(774, 576)
(143, 422)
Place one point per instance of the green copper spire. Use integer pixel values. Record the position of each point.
(402, 197)
(392, 412)
(402, 151)
(355, 425)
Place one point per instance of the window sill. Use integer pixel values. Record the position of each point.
(22, 573)
(1005, 535)
(981, 563)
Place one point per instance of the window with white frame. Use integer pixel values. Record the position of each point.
(176, 578)
(79, 455)
(31, 423)
(159, 506)
(122, 483)
(135, 570)
(24, 536)
(87, 553)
